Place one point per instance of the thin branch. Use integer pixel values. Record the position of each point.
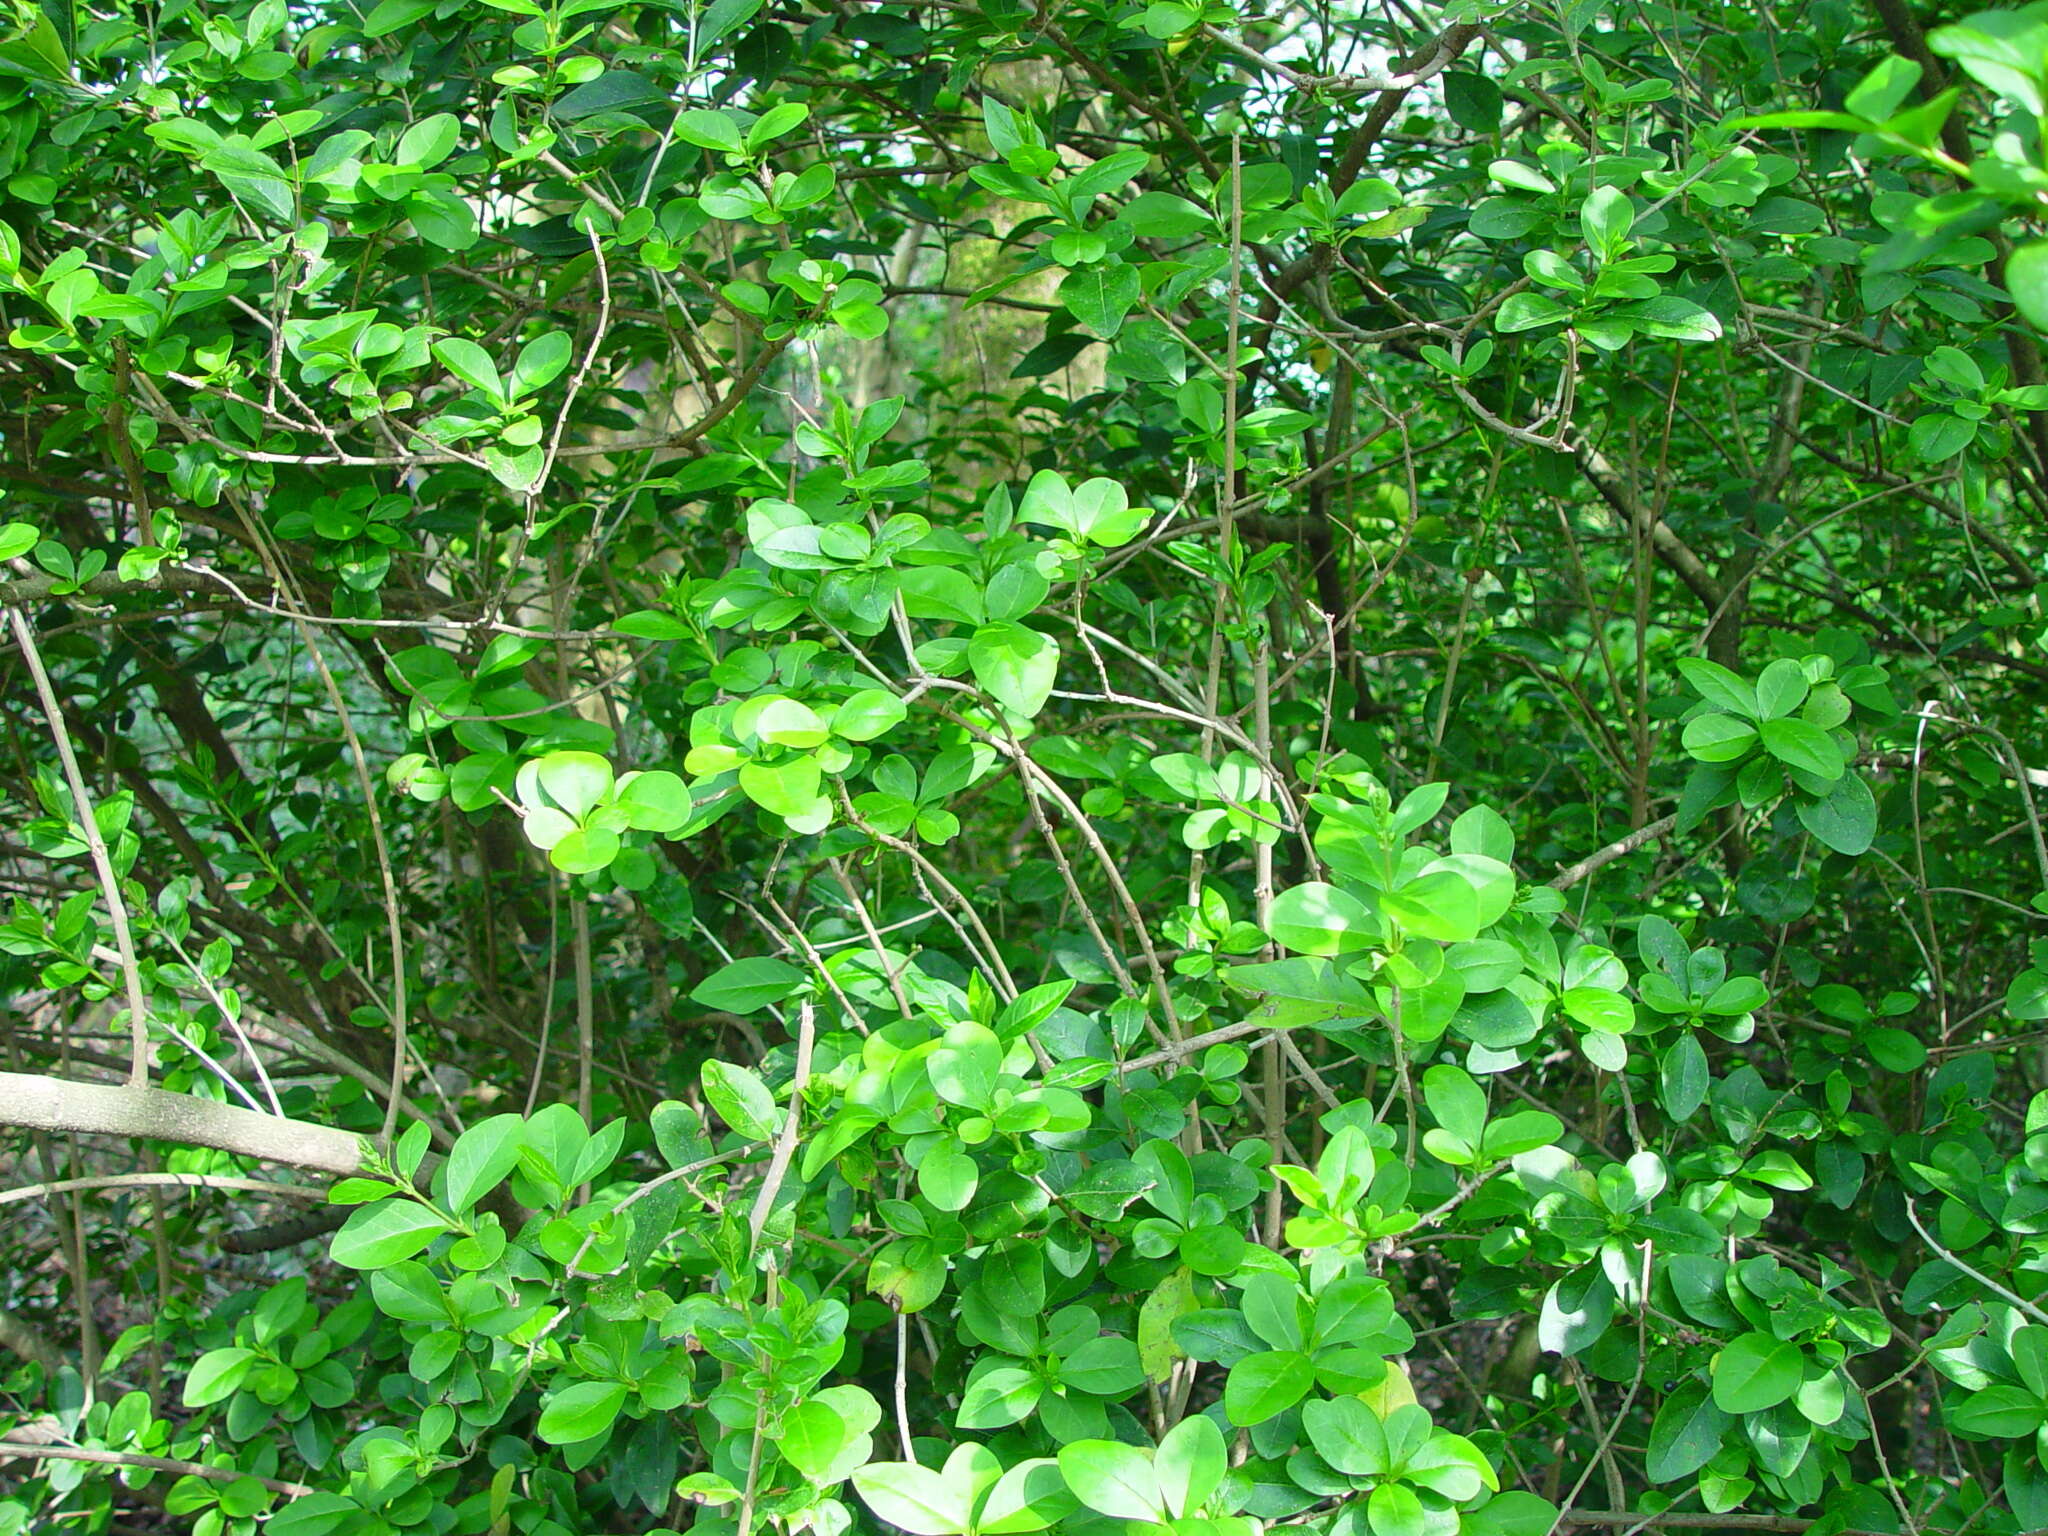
(785, 1139)
(1620, 848)
(10, 1448)
(102, 861)
(162, 1180)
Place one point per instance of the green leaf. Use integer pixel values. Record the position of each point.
(384, 1233)
(1799, 744)
(1188, 776)
(584, 850)
(1394, 1509)
(616, 90)
(1755, 1372)
(740, 1098)
(965, 1067)
(1518, 174)
(908, 1273)
(1113, 1479)
(539, 363)
(1718, 738)
(1441, 904)
(556, 1140)
(1936, 435)
(1319, 919)
(1514, 1513)
(1781, 689)
(709, 129)
(581, 1412)
(790, 789)
(1528, 311)
(1599, 1009)
(781, 722)
(1103, 513)
(1172, 1300)
(1029, 1497)
(1164, 216)
(1272, 1307)
(914, 1498)
(1884, 90)
(1686, 1433)
(1348, 1435)
(216, 1375)
(481, 1158)
(1016, 664)
(1998, 1412)
(1718, 686)
(748, 986)
(2027, 997)
(1683, 1077)
(1451, 1466)
(814, 1436)
(940, 592)
(444, 220)
(1017, 590)
(776, 122)
(1051, 355)
(391, 16)
(253, 177)
(947, 1177)
(1670, 318)
(1190, 1464)
(1107, 1366)
(1523, 1131)
(1100, 296)
(410, 1292)
(1576, 1309)
(2026, 279)
(1262, 1385)
(1458, 1103)
(471, 364)
(1484, 831)
(870, 713)
(997, 1398)
(1606, 218)
(654, 802)
(428, 142)
(1474, 102)
(1895, 1050)
(1846, 820)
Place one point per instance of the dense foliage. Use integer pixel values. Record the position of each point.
(1023, 766)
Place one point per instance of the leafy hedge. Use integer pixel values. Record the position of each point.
(1023, 767)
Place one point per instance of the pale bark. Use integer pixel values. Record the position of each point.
(54, 1104)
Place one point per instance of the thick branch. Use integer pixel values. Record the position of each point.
(54, 1104)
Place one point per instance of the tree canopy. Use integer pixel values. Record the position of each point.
(1123, 767)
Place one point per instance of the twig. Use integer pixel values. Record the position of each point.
(1697, 1521)
(785, 1139)
(1977, 1275)
(903, 1383)
(1620, 848)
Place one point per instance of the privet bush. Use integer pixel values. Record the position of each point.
(1017, 767)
